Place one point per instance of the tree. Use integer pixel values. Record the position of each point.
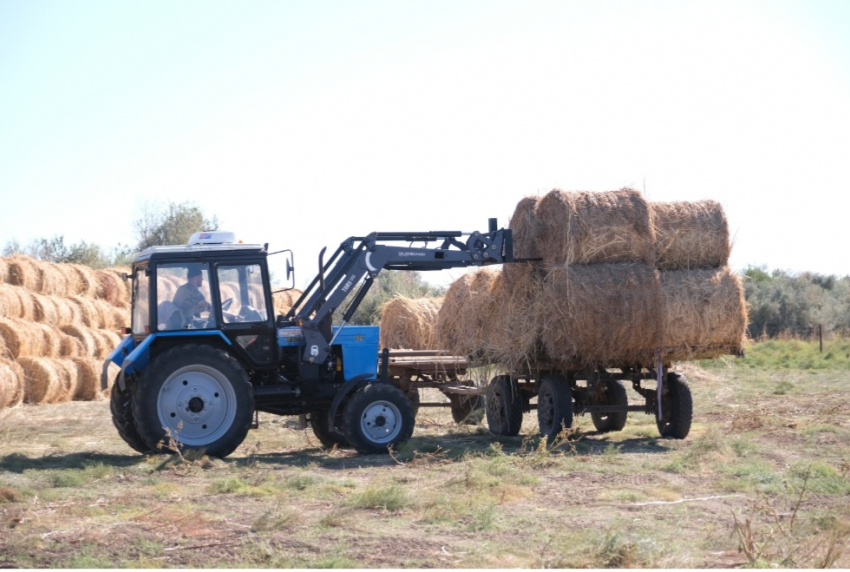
(55, 250)
(172, 225)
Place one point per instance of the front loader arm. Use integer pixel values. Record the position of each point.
(359, 260)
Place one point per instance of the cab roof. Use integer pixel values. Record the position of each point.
(200, 251)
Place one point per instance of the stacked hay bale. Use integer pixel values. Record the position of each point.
(58, 323)
(616, 278)
(409, 323)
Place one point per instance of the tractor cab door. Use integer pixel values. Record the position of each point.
(246, 318)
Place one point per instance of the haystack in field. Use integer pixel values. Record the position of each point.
(691, 235)
(705, 314)
(602, 314)
(595, 227)
(462, 320)
(45, 380)
(11, 383)
(409, 323)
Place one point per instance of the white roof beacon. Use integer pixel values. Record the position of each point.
(212, 237)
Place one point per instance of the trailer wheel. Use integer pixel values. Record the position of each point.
(466, 409)
(615, 394)
(504, 406)
(319, 425)
(121, 407)
(677, 408)
(376, 417)
(554, 406)
(198, 394)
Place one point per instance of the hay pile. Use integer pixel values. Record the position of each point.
(617, 278)
(409, 323)
(283, 301)
(58, 323)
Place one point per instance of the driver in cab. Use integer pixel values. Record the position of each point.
(189, 298)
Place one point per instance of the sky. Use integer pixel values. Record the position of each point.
(300, 124)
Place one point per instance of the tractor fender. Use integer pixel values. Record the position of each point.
(342, 394)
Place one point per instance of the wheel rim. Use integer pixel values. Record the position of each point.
(197, 404)
(546, 409)
(381, 422)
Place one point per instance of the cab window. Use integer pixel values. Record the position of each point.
(242, 295)
(183, 296)
(141, 302)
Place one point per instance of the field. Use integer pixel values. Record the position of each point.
(762, 479)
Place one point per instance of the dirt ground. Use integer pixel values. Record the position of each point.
(762, 479)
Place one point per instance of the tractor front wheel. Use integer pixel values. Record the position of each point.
(194, 397)
(378, 416)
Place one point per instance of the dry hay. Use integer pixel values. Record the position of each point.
(10, 301)
(88, 378)
(691, 235)
(23, 272)
(462, 320)
(19, 336)
(109, 340)
(705, 313)
(11, 383)
(167, 285)
(601, 315)
(121, 317)
(590, 228)
(52, 278)
(283, 301)
(93, 313)
(4, 271)
(88, 346)
(111, 287)
(48, 380)
(44, 309)
(46, 341)
(409, 323)
(527, 228)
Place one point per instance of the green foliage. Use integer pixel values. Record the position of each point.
(172, 224)
(390, 497)
(387, 285)
(783, 303)
(795, 354)
(55, 250)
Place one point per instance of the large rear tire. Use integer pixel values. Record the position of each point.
(504, 406)
(615, 394)
(197, 396)
(378, 416)
(554, 406)
(677, 407)
(121, 407)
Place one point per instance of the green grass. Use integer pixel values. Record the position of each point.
(794, 354)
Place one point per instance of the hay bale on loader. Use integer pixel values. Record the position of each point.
(410, 323)
(690, 235)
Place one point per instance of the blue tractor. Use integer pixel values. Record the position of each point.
(205, 351)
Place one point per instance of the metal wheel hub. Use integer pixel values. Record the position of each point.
(381, 422)
(197, 404)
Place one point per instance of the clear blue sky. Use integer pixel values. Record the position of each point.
(302, 123)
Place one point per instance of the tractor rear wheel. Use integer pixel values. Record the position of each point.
(677, 408)
(194, 397)
(378, 416)
(504, 406)
(121, 407)
(554, 406)
(615, 394)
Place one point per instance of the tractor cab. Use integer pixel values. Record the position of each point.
(213, 286)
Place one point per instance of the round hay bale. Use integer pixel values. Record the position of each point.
(42, 382)
(50, 341)
(109, 340)
(121, 317)
(84, 279)
(20, 337)
(70, 347)
(89, 313)
(10, 301)
(705, 313)
(23, 272)
(51, 278)
(67, 311)
(44, 309)
(104, 315)
(88, 378)
(4, 271)
(527, 229)
(11, 383)
(595, 227)
(87, 345)
(463, 314)
(409, 323)
(283, 301)
(601, 315)
(111, 287)
(691, 235)
(68, 380)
